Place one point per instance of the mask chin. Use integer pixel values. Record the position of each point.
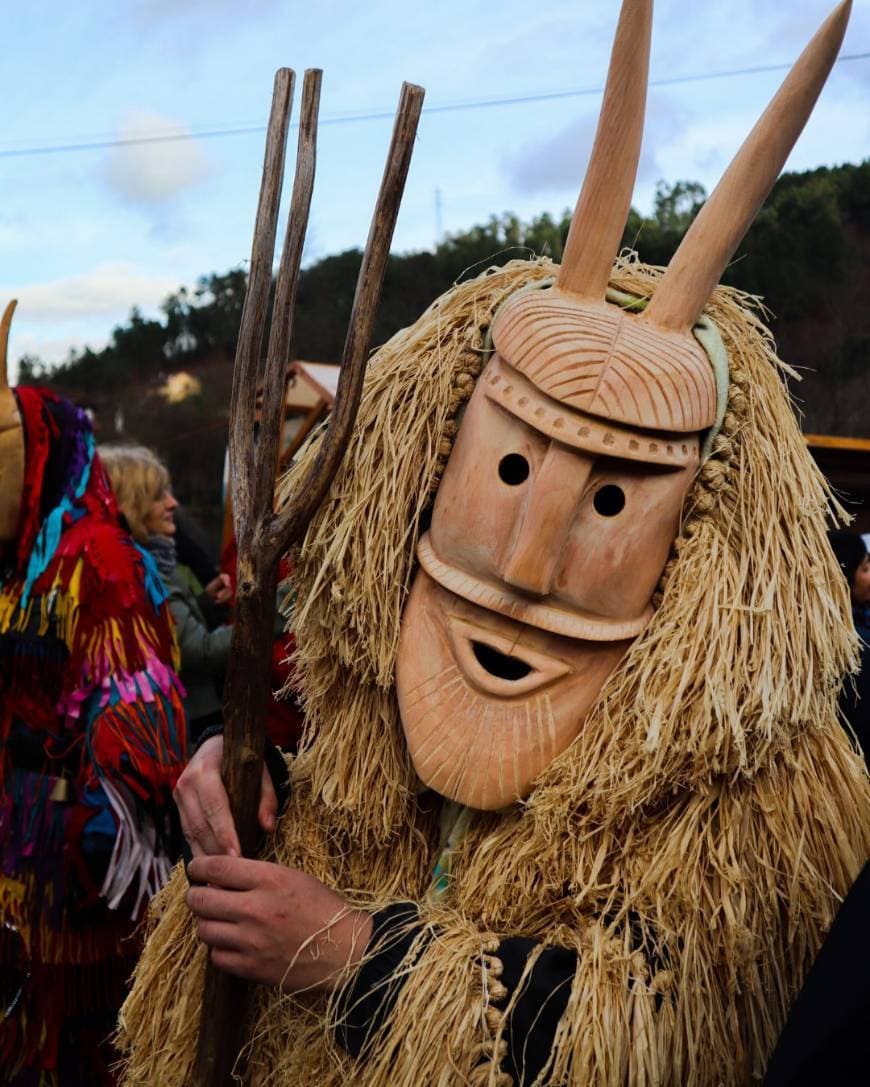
(486, 702)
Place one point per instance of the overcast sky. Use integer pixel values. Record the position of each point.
(87, 233)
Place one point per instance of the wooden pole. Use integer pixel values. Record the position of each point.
(262, 535)
(225, 997)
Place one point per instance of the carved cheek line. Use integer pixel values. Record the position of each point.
(497, 598)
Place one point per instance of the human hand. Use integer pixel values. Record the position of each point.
(204, 808)
(275, 925)
(219, 589)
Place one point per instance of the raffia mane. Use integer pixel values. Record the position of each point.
(692, 842)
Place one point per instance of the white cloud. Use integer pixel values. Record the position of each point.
(78, 311)
(50, 349)
(109, 288)
(555, 161)
(153, 173)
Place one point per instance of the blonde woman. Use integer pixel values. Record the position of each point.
(143, 490)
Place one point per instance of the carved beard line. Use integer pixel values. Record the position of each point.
(458, 699)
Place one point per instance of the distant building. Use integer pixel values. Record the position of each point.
(309, 393)
(179, 386)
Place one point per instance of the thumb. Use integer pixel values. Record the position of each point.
(268, 809)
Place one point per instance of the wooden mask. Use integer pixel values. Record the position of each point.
(11, 442)
(565, 487)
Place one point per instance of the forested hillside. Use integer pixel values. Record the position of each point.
(806, 255)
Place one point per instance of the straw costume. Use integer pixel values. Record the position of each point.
(645, 909)
(92, 739)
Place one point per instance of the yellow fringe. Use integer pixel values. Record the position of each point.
(692, 844)
(60, 607)
(51, 946)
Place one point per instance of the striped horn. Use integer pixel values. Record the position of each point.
(722, 223)
(604, 201)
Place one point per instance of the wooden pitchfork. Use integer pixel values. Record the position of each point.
(262, 534)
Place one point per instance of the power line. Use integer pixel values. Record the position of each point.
(379, 115)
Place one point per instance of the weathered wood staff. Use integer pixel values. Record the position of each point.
(263, 535)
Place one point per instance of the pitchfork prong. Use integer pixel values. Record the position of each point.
(251, 331)
(274, 376)
(292, 522)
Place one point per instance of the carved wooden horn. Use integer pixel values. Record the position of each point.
(5, 323)
(721, 224)
(602, 207)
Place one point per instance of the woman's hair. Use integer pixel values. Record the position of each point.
(138, 479)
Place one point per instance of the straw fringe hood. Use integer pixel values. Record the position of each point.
(692, 843)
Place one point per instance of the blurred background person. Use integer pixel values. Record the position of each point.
(144, 492)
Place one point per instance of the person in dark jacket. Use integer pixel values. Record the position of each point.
(851, 553)
(825, 1038)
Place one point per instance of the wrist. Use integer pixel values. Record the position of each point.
(348, 938)
(360, 934)
(370, 990)
(342, 947)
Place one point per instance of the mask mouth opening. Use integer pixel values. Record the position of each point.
(495, 662)
(499, 664)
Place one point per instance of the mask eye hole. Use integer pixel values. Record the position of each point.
(513, 469)
(609, 500)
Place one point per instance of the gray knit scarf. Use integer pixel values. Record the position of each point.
(163, 550)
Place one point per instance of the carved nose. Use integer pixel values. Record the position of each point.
(555, 490)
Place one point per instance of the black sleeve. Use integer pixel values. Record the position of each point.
(825, 1039)
(532, 1023)
(858, 711)
(372, 993)
(278, 772)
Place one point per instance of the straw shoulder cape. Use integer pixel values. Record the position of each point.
(92, 740)
(690, 848)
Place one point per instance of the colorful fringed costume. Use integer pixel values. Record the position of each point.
(92, 740)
